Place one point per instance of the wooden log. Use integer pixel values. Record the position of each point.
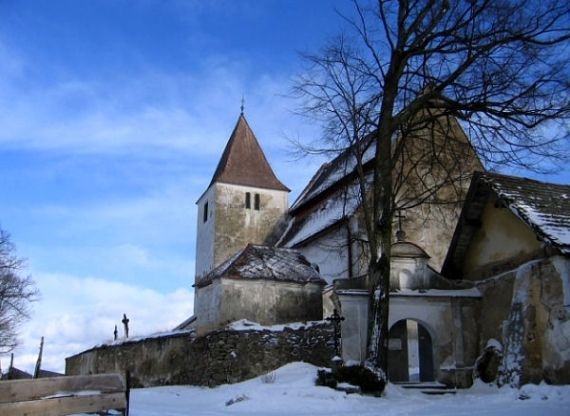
(27, 390)
(65, 405)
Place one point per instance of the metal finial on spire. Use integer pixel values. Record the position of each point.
(242, 104)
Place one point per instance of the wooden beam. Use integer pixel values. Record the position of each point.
(26, 390)
(65, 405)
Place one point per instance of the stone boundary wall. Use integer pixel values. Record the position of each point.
(224, 356)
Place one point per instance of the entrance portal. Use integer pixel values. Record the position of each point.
(410, 352)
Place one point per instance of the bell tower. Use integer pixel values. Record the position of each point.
(242, 203)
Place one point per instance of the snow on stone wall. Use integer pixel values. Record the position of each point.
(225, 356)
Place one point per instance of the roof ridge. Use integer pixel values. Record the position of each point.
(499, 175)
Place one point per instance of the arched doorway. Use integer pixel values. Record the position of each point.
(410, 352)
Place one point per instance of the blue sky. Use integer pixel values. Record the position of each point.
(114, 114)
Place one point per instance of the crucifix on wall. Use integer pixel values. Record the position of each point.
(125, 322)
(400, 234)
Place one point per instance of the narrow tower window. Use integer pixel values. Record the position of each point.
(256, 202)
(205, 214)
(248, 200)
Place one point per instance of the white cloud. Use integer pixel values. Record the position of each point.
(148, 111)
(140, 117)
(76, 313)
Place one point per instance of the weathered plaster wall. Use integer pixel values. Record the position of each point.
(502, 238)
(237, 226)
(409, 273)
(452, 323)
(354, 328)
(208, 305)
(230, 225)
(216, 358)
(431, 228)
(450, 320)
(205, 233)
(496, 298)
(439, 162)
(525, 311)
(264, 301)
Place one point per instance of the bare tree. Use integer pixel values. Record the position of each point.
(16, 293)
(398, 91)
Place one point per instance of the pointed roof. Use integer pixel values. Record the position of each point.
(244, 163)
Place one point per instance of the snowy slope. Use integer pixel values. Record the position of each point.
(292, 392)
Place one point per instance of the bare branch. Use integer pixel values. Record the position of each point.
(415, 78)
(16, 293)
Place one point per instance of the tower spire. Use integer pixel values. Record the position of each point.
(242, 107)
(244, 163)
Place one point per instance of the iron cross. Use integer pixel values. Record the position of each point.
(336, 319)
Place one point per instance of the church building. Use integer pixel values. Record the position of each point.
(465, 276)
(237, 277)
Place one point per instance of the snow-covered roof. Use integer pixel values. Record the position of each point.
(330, 174)
(544, 207)
(342, 169)
(320, 217)
(257, 262)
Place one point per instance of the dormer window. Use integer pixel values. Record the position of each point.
(247, 200)
(256, 202)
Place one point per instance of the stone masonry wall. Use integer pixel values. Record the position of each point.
(225, 356)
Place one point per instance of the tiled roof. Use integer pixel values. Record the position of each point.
(48, 374)
(265, 263)
(544, 207)
(16, 374)
(244, 163)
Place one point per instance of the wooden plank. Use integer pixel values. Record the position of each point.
(26, 390)
(65, 405)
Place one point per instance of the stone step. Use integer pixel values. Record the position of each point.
(428, 387)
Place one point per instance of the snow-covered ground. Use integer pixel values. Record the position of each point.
(291, 391)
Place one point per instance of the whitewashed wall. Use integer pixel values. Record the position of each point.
(231, 226)
(330, 254)
(262, 301)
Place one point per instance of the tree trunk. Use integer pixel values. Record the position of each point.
(379, 301)
(379, 267)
